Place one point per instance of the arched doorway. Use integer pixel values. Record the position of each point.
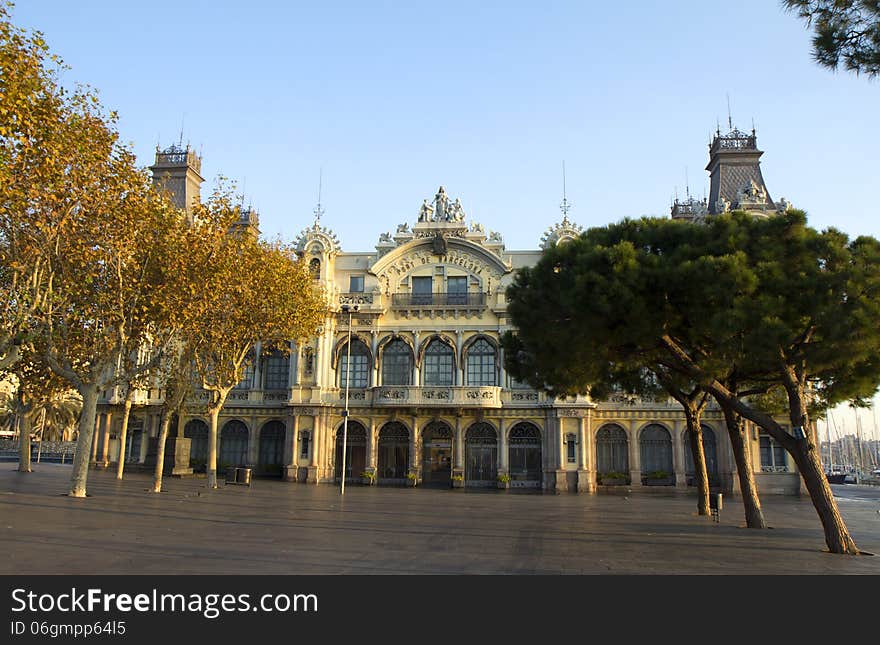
(196, 431)
(612, 453)
(355, 452)
(525, 455)
(481, 455)
(655, 448)
(710, 450)
(393, 457)
(271, 459)
(437, 454)
(233, 446)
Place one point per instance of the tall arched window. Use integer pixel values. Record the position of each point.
(360, 365)
(710, 451)
(247, 378)
(612, 453)
(233, 445)
(439, 364)
(397, 363)
(656, 449)
(276, 371)
(315, 269)
(481, 364)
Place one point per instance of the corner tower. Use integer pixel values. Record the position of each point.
(736, 182)
(177, 173)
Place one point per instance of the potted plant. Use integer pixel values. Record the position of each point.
(412, 479)
(612, 479)
(503, 480)
(369, 477)
(658, 478)
(457, 481)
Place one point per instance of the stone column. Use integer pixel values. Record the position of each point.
(291, 451)
(415, 373)
(293, 377)
(560, 461)
(371, 455)
(502, 375)
(635, 455)
(312, 477)
(459, 446)
(414, 456)
(105, 450)
(375, 347)
(258, 367)
(586, 476)
(503, 465)
(679, 429)
(96, 438)
(458, 372)
(253, 449)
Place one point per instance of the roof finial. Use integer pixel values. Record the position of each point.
(318, 210)
(565, 206)
(687, 185)
(729, 118)
(182, 120)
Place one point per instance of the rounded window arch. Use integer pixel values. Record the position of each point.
(315, 268)
(612, 450)
(524, 452)
(655, 448)
(397, 363)
(233, 445)
(482, 363)
(438, 364)
(276, 370)
(359, 359)
(481, 455)
(196, 431)
(393, 449)
(271, 456)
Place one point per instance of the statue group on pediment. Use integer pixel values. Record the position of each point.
(442, 210)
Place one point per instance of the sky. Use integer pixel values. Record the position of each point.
(386, 101)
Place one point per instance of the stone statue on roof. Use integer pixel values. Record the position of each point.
(441, 203)
(425, 211)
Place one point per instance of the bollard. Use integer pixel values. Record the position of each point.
(715, 503)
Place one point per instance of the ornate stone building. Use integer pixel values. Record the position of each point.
(411, 345)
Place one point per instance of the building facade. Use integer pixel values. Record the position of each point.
(411, 349)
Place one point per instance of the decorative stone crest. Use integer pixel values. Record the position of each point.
(562, 232)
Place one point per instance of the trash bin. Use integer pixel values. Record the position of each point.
(243, 476)
(231, 474)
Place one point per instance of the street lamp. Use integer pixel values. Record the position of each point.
(349, 310)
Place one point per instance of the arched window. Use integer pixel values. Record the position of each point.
(276, 371)
(272, 447)
(360, 365)
(247, 379)
(438, 365)
(233, 445)
(656, 449)
(315, 269)
(397, 363)
(612, 452)
(481, 364)
(525, 453)
(196, 431)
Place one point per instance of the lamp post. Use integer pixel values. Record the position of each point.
(349, 310)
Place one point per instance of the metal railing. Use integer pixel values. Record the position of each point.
(438, 300)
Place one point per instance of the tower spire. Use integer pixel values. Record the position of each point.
(729, 117)
(318, 210)
(565, 206)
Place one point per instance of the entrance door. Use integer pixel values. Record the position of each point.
(481, 455)
(355, 452)
(437, 455)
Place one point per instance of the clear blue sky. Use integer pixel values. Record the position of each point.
(393, 99)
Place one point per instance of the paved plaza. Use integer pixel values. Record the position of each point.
(280, 528)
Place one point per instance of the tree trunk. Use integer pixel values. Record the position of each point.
(699, 456)
(743, 457)
(213, 415)
(24, 438)
(79, 476)
(806, 458)
(160, 452)
(123, 436)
